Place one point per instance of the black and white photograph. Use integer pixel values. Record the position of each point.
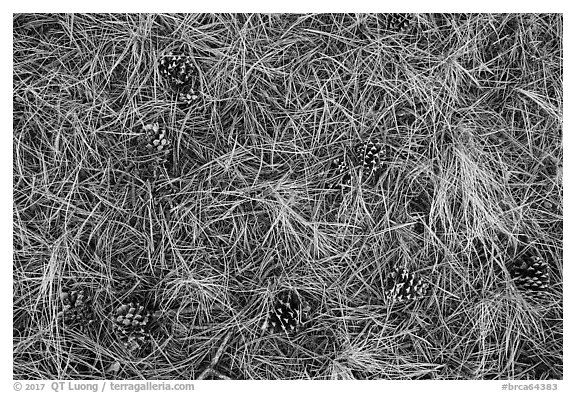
(287, 196)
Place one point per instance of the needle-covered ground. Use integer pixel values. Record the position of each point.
(186, 221)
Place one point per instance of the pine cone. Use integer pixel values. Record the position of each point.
(398, 22)
(132, 325)
(188, 97)
(289, 314)
(177, 69)
(341, 169)
(530, 273)
(402, 285)
(369, 154)
(76, 310)
(181, 75)
(155, 138)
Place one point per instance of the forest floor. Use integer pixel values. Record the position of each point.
(466, 110)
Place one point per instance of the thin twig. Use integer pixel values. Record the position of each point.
(220, 350)
(210, 369)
